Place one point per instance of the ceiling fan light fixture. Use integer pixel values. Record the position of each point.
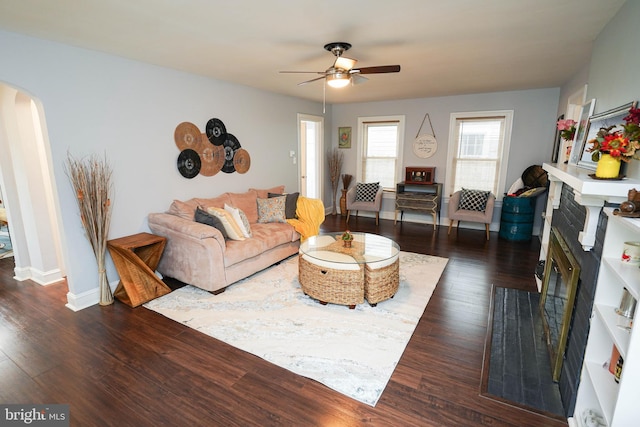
(338, 80)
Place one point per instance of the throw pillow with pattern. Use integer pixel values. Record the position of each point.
(473, 200)
(366, 192)
(271, 210)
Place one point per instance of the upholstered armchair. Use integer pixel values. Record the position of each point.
(476, 206)
(364, 197)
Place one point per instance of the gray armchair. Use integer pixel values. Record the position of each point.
(353, 205)
(456, 214)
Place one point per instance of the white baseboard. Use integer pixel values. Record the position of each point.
(43, 278)
(77, 302)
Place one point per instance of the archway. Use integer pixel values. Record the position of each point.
(29, 188)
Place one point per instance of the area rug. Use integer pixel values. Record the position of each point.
(6, 250)
(353, 352)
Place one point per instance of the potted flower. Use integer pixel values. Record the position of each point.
(347, 238)
(612, 146)
(567, 129)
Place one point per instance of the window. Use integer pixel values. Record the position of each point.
(478, 151)
(380, 150)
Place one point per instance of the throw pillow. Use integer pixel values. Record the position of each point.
(240, 218)
(473, 200)
(290, 204)
(366, 192)
(184, 210)
(271, 210)
(233, 231)
(204, 217)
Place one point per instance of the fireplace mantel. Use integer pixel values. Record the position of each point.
(589, 192)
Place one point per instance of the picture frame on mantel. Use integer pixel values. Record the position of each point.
(596, 121)
(579, 139)
(557, 142)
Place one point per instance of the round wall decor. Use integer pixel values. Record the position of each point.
(425, 146)
(242, 161)
(186, 135)
(231, 145)
(189, 163)
(216, 131)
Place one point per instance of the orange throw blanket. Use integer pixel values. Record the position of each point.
(310, 213)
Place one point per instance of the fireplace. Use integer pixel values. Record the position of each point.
(561, 276)
(574, 209)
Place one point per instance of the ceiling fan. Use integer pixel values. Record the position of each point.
(342, 72)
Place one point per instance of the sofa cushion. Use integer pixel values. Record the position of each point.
(186, 210)
(214, 202)
(205, 217)
(246, 202)
(271, 210)
(290, 205)
(264, 194)
(366, 192)
(265, 237)
(231, 227)
(473, 200)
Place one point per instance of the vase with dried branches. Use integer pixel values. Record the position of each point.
(346, 182)
(335, 167)
(91, 180)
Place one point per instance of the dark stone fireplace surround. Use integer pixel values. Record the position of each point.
(569, 219)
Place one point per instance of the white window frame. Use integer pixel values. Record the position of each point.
(400, 120)
(504, 161)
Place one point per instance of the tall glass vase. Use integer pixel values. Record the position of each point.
(608, 167)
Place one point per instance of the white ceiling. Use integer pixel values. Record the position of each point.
(445, 47)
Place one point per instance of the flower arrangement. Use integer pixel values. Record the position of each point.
(621, 144)
(567, 129)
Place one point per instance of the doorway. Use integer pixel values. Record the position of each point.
(29, 194)
(310, 147)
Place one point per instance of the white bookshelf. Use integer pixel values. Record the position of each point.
(619, 403)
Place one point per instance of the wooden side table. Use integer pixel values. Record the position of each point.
(136, 258)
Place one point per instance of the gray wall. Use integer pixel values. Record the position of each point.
(99, 103)
(531, 141)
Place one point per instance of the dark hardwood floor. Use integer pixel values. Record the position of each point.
(132, 367)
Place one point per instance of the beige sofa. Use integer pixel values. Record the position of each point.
(198, 254)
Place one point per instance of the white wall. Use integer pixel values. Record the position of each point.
(98, 103)
(531, 141)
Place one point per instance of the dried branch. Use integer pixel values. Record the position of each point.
(91, 180)
(336, 158)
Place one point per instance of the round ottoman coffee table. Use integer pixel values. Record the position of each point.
(332, 273)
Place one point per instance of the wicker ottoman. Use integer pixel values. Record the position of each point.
(382, 279)
(334, 282)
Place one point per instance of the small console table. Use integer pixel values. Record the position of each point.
(425, 198)
(136, 258)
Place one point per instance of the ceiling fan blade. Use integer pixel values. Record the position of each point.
(344, 63)
(356, 79)
(302, 72)
(378, 69)
(312, 80)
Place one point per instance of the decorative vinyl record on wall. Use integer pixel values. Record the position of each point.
(189, 163)
(231, 145)
(216, 131)
(210, 152)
